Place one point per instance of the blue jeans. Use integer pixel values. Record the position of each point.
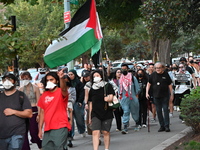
(162, 103)
(130, 107)
(12, 143)
(79, 117)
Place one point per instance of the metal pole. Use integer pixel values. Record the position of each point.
(70, 64)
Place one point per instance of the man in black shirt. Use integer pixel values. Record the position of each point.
(14, 108)
(160, 82)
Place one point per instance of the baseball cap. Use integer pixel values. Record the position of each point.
(85, 73)
(9, 75)
(183, 59)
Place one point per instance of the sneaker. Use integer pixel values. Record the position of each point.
(144, 125)
(117, 130)
(70, 143)
(125, 130)
(84, 134)
(137, 128)
(171, 115)
(153, 120)
(178, 109)
(175, 108)
(167, 129)
(161, 129)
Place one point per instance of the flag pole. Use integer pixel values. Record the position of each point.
(70, 65)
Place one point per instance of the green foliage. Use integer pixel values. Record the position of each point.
(190, 109)
(138, 45)
(37, 26)
(112, 44)
(117, 13)
(192, 145)
(163, 17)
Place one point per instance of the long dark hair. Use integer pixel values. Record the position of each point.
(143, 72)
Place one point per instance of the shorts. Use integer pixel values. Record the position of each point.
(103, 125)
(55, 139)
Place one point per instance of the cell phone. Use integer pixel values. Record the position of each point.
(65, 70)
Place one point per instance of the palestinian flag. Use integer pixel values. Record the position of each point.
(84, 33)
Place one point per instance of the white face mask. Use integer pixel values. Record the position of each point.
(97, 79)
(7, 84)
(50, 85)
(25, 82)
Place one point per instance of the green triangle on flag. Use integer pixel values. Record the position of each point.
(74, 2)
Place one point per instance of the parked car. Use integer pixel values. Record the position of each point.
(117, 65)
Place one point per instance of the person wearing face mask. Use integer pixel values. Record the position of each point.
(14, 109)
(128, 93)
(33, 94)
(195, 69)
(53, 104)
(181, 87)
(190, 69)
(100, 116)
(142, 80)
(79, 104)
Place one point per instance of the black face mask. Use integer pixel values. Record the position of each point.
(174, 68)
(191, 61)
(124, 72)
(140, 75)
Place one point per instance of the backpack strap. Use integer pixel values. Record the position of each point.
(133, 83)
(21, 97)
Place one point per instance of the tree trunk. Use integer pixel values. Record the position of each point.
(164, 50)
(161, 50)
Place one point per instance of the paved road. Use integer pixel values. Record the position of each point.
(134, 140)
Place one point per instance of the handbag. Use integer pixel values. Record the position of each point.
(115, 103)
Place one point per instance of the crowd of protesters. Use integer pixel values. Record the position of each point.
(65, 99)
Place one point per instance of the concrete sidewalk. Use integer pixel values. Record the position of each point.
(136, 140)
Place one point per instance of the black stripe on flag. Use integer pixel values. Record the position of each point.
(82, 14)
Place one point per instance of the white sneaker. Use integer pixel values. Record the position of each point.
(175, 108)
(84, 134)
(171, 115)
(139, 127)
(153, 120)
(144, 125)
(178, 109)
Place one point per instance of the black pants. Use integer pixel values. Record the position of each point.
(142, 112)
(118, 117)
(178, 97)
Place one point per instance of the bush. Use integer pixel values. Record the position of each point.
(192, 145)
(190, 109)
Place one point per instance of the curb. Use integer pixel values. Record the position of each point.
(173, 139)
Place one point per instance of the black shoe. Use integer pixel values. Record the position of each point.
(70, 143)
(167, 129)
(161, 129)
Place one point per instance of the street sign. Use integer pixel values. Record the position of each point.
(74, 2)
(67, 17)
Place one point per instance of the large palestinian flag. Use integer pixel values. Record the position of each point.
(84, 33)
